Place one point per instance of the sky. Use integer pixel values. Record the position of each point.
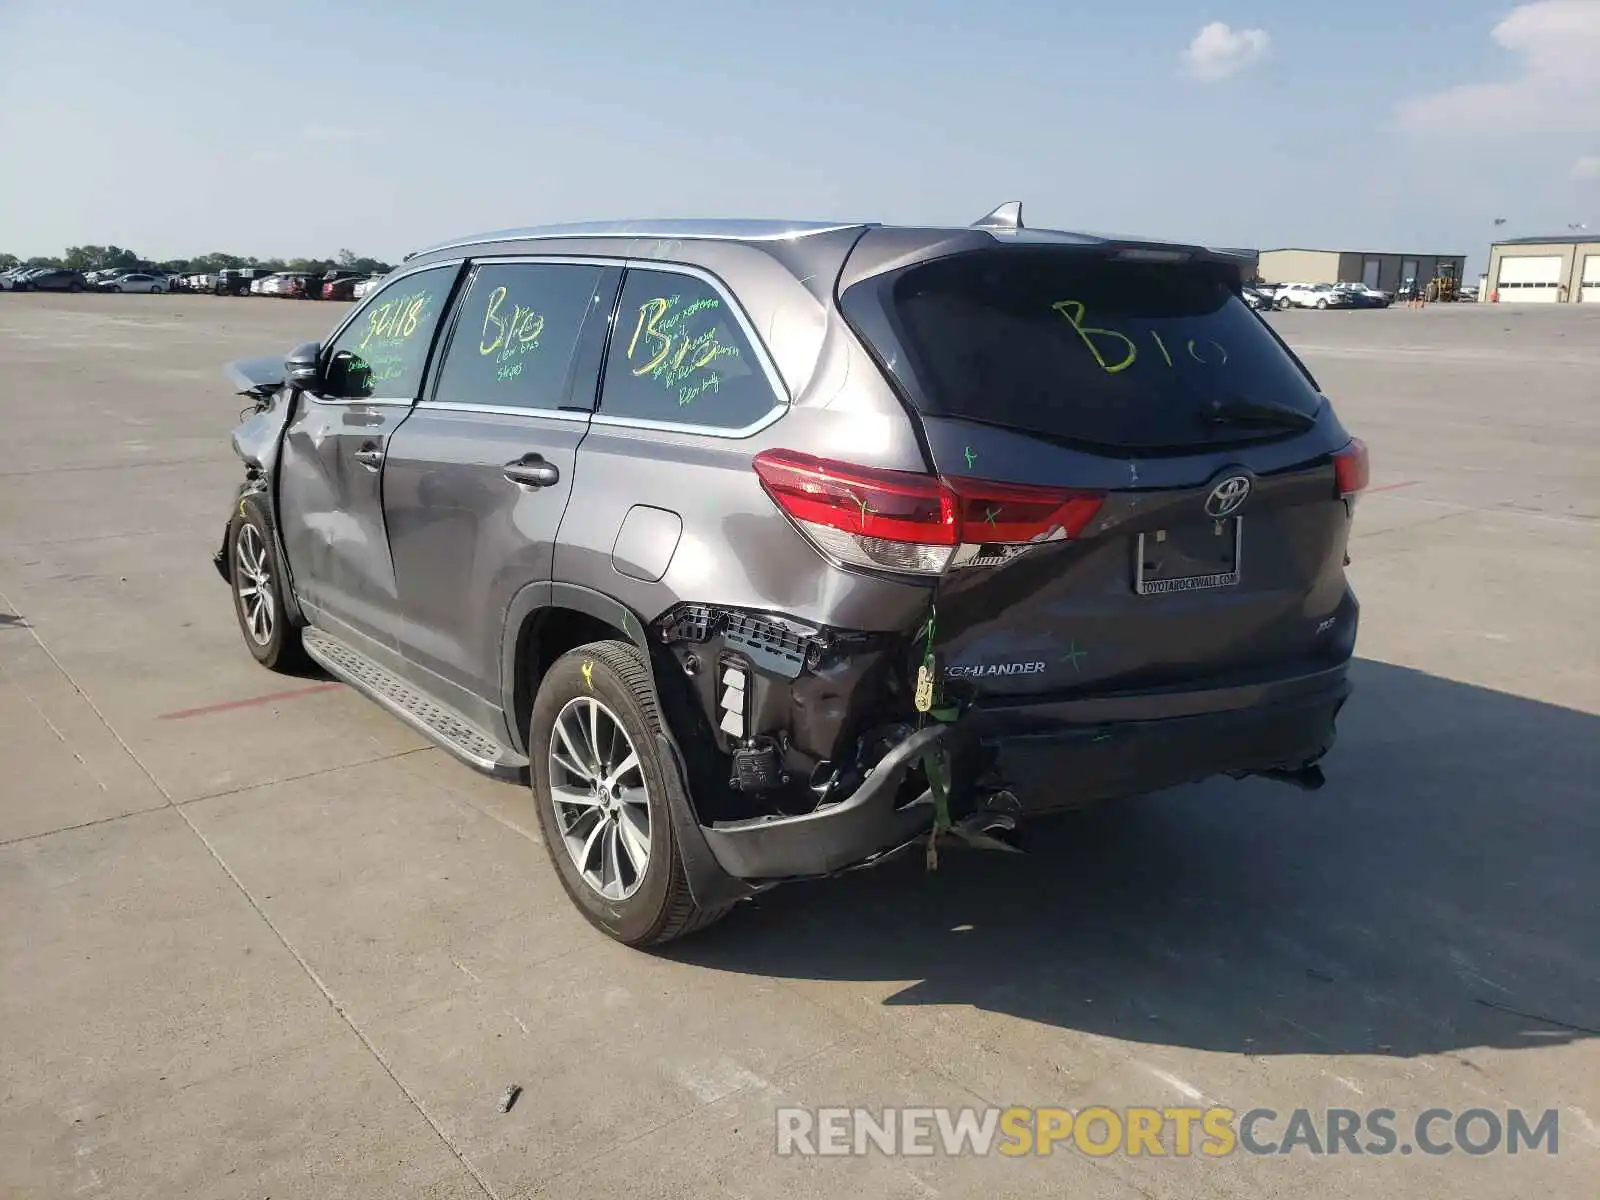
(299, 127)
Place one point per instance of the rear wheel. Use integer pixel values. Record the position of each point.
(257, 579)
(114, 288)
(1283, 304)
(1322, 304)
(601, 791)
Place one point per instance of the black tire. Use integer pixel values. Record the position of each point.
(661, 908)
(114, 288)
(252, 528)
(1322, 304)
(1283, 304)
(75, 287)
(155, 289)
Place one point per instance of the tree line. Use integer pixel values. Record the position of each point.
(99, 258)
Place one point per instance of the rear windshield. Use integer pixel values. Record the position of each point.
(1087, 348)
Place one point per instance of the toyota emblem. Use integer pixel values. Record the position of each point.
(1227, 496)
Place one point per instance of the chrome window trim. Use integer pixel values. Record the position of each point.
(717, 431)
(346, 402)
(503, 410)
(780, 392)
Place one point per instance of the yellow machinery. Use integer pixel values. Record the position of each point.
(1444, 287)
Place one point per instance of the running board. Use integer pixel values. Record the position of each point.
(444, 726)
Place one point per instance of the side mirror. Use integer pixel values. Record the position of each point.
(303, 368)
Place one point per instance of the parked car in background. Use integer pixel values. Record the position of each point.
(1366, 297)
(721, 679)
(133, 281)
(1312, 295)
(8, 279)
(1257, 300)
(237, 281)
(367, 286)
(296, 285)
(339, 287)
(53, 280)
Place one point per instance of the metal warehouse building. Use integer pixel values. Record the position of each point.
(1386, 272)
(1547, 270)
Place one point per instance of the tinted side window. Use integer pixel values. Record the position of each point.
(382, 352)
(678, 354)
(515, 338)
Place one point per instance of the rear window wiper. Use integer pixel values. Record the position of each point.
(1255, 412)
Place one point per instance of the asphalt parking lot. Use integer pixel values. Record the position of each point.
(260, 940)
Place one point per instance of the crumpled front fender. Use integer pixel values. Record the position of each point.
(257, 438)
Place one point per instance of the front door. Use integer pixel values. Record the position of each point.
(330, 475)
(477, 480)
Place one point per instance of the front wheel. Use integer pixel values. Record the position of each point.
(1283, 304)
(156, 290)
(601, 790)
(258, 597)
(114, 288)
(1322, 304)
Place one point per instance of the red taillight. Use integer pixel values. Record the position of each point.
(1351, 469)
(1011, 514)
(900, 506)
(908, 521)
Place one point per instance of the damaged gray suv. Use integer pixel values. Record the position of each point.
(765, 551)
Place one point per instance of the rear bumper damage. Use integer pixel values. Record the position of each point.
(1045, 758)
(836, 836)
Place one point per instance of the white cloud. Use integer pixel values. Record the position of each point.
(1556, 91)
(1219, 50)
(1587, 167)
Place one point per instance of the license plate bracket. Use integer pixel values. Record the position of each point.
(1196, 557)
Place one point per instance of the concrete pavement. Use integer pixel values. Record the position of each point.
(261, 940)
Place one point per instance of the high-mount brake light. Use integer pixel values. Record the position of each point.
(910, 522)
(1352, 469)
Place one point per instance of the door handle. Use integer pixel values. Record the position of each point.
(532, 471)
(370, 457)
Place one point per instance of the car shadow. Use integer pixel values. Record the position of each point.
(1439, 893)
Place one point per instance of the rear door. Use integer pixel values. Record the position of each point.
(330, 477)
(1190, 527)
(477, 481)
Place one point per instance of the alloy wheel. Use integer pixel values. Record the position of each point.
(602, 804)
(253, 580)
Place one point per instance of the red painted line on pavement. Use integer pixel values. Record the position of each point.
(1392, 487)
(247, 703)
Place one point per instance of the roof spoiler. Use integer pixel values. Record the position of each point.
(1007, 216)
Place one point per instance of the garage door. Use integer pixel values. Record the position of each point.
(1529, 280)
(1591, 279)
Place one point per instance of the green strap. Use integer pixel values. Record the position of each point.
(933, 765)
